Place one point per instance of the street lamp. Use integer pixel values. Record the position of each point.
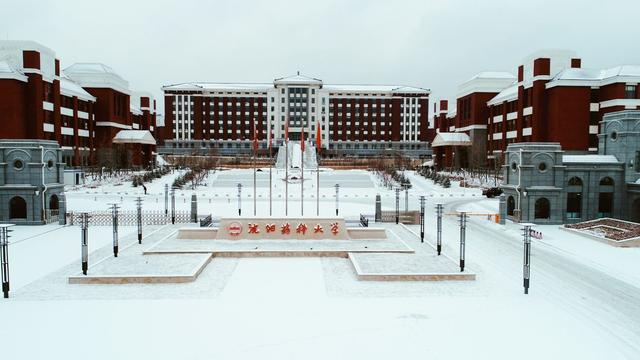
(337, 186)
(239, 199)
(526, 269)
(4, 257)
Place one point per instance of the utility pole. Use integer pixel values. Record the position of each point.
(397, 205)
(337, 186)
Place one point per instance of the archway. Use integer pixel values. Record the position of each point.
(54, 203)
(542, 209)
(17, 208)
(511, 205)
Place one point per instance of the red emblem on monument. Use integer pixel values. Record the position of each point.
(235, 228)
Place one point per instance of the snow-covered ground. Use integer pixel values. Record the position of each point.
(584, 301)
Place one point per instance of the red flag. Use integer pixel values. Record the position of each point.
(318, 139)
(302, 141)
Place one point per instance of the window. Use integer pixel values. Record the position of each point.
(606, 181)
(542, 167)
(630, 92)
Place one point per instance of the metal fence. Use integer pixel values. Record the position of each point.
(129, 218)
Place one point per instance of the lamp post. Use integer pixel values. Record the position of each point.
(173, 205)
(337, 186)
(463, 229)
(439, 212)
(239, 199)
(526, 271)
(166, 199)
(4, 257)
(397, 205)
(406, 198)
(422, 218)
(139, 218)
(114, 219)
(84, 234)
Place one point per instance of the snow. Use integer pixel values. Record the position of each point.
(451, 139)
(596, 159)
(69, 87)
(583, 301)
(88, 68)
(508, 94)
(374, 88)
(297, 79)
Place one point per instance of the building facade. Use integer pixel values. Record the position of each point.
(553, 99)
(37, 101)
(353, 119)
(31, 182)
(545, 184)
(81, 108)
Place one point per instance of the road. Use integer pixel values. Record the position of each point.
(609, 303)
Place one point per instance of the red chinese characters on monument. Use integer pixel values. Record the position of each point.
(318, 229)
(253, 229)
(271, 228)
(285, 228)
(301, 228)
(334, 228)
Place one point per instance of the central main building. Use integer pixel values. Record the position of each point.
(202, 118)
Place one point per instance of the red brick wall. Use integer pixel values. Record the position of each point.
(567, 118)
(13, 109)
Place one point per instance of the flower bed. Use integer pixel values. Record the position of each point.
(608, 228)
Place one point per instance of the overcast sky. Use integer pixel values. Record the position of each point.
(436, 44)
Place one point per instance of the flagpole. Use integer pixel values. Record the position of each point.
(302, 174)
(255, 150)
(270, 166)
(317, 182)
(286, 169)
(318, 146)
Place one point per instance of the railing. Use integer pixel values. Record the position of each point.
(129, 218)
(52, 216)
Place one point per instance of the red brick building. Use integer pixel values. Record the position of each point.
(83, 108)
(38, 102)
(553, 99)
(360, 120)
